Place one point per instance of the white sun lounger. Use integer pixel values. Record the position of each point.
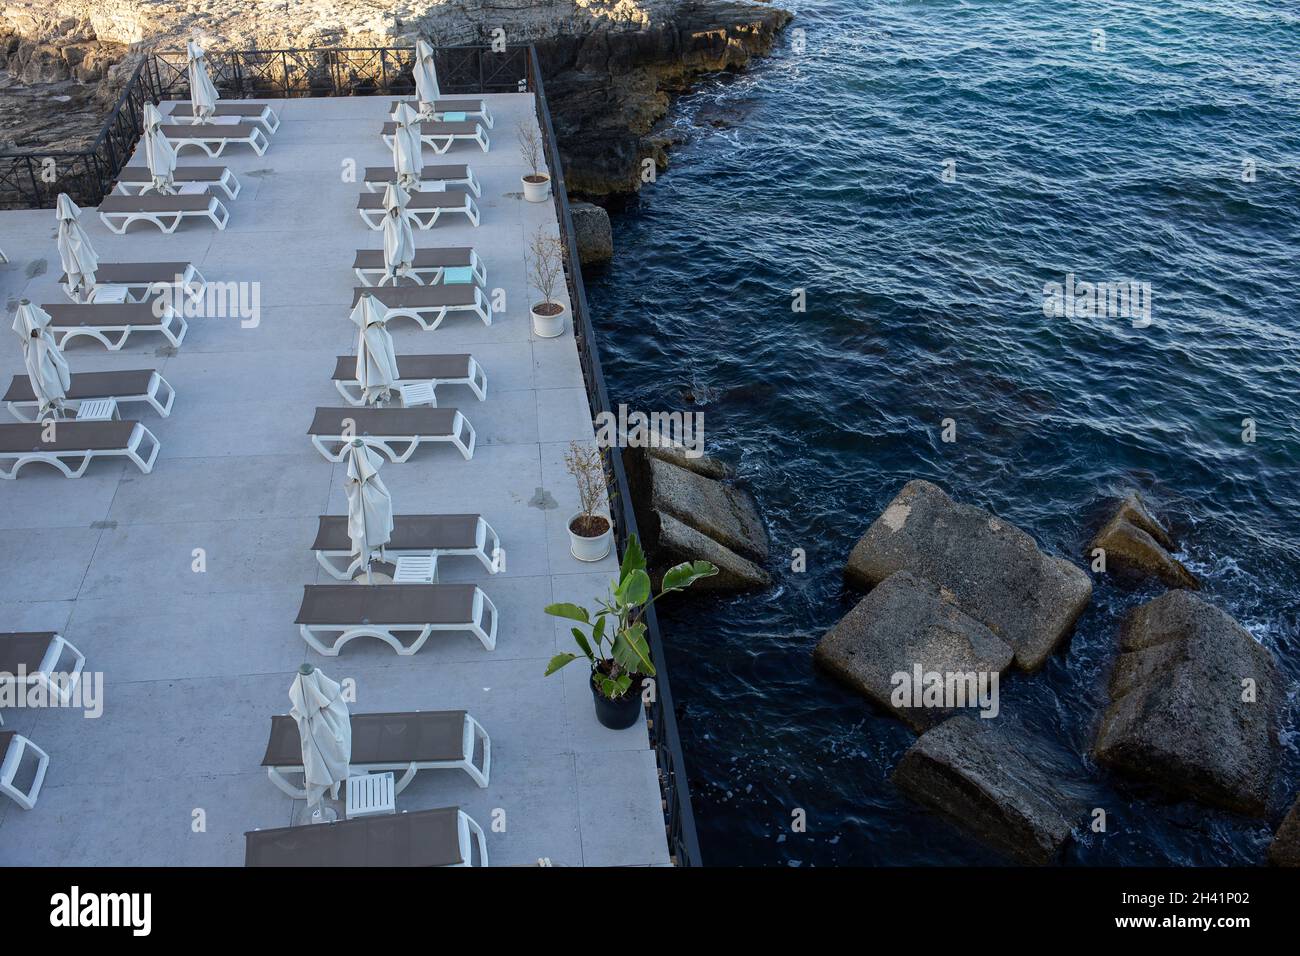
(14, 748)
(37, 654)
(384, 611)
(437, 536)
(404, 743)
(442, 837)
(333, 429)
(128, 385)
(475, 109)
(434, 369)
(144, 280)
(136, 180)
(165, 212)
(425, 208)
(253, 112)
(213, 138)
(429, 304)
(100, 320)
(440, 136)
(428, 268)
(377, 178)
(75, 445)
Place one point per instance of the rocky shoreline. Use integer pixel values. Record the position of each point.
(611, 66)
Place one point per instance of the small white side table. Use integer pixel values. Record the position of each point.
(415, 569)
(97, 410)
(370, 795)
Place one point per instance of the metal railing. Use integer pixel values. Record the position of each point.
(274, 74)
(682, 839)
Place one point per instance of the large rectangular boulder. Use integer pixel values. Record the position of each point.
(1194, 705)
(720, 511)
(993, 570)
(997, 783)
(904, 625)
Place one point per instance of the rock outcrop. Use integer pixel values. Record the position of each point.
(1194, 704)
(593, 233)
(611, 66)
(1285, 848)
(906, 623)
(1136, 544)
(993, 570)
(684, 515)
(997, 783)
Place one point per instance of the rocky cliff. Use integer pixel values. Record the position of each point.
(611, 66)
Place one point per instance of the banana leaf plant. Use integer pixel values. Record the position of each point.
(617, 647)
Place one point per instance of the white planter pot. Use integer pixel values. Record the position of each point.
(548, 326)
(590, 549)
(537, 192)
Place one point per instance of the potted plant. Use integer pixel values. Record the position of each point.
(545, 258)
(617, 649)
(537, 184)
(591, 533)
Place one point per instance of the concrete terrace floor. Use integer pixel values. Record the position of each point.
(195, 664)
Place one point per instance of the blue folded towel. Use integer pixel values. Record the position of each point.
(453, 117)
(458, 275)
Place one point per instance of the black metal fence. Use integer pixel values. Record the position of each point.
(269, 74)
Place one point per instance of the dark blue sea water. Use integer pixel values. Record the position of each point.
(822, 170)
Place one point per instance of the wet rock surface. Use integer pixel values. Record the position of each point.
(593, 233)
(1285, 848)
(1137, 545)
(997, 783)
(904, 623)
(1181, 715)
(995, 571)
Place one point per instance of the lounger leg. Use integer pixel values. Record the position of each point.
(486, 555)
(309, 635)
(277, 778)
(479, 775)
(488, 638)
(16, 409)
(466, 448)
(143, 435)
(161, 395)
(173, 337)
(351, 393)
(471, 211)
(407, 777)
(341, 574)
(478, 835)
(10, 762)
(477, 379)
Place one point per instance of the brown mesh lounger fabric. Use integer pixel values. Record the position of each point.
(144, 280)
(385, 610)
(429, 304)
(439, 135)
(111, 324)
(37, 655)
(427, 266)
(165, 212)
(423, 838)
(385, 428)
(128, 385)
(426, 208)
(376, 178)
(134, 180)
(75, 445)
(437, 535)
(410, 742)
(259, 112)
(434, 369)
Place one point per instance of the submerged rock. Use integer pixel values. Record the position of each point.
(676, 542)
(1177, 717)
(906, 622)
(995, 571)
(996, 782)
(722, 512)
(593, 233)
(1136, 543)
(1285, 848)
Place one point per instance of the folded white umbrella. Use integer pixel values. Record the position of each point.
(399, 244)
(325, 730)
(47, 370)
(376, 357)
(426, 77)
(158, 152)
(370, 506)
(29, 318)
(203, 95)
(76, 254)
(408, 159)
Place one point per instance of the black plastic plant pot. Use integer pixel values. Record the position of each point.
(617, 714)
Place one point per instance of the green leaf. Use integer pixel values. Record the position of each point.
(634, 590)
(632, 652)
(598, 629)
(570, 611)
(558, 661)
(684, 575)
(582, 643)
(613, 687)
(633, 558)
